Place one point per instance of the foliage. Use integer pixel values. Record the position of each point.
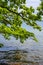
(12, 15)
(1, 45)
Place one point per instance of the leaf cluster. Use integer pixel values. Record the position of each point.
(12, 16)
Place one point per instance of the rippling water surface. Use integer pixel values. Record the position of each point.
(32, 55)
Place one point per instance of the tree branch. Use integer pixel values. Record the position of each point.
(16, 13)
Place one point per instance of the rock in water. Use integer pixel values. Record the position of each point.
(4, 64)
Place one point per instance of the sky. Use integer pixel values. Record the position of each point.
(38, 34)
(33, 3)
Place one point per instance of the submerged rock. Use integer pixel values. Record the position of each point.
(19, 63)
(4, 64)
(20, 57)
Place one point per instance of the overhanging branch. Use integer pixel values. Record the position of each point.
(16, 13)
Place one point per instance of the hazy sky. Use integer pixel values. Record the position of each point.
(33, 3)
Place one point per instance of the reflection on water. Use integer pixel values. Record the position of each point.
(23, 57)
